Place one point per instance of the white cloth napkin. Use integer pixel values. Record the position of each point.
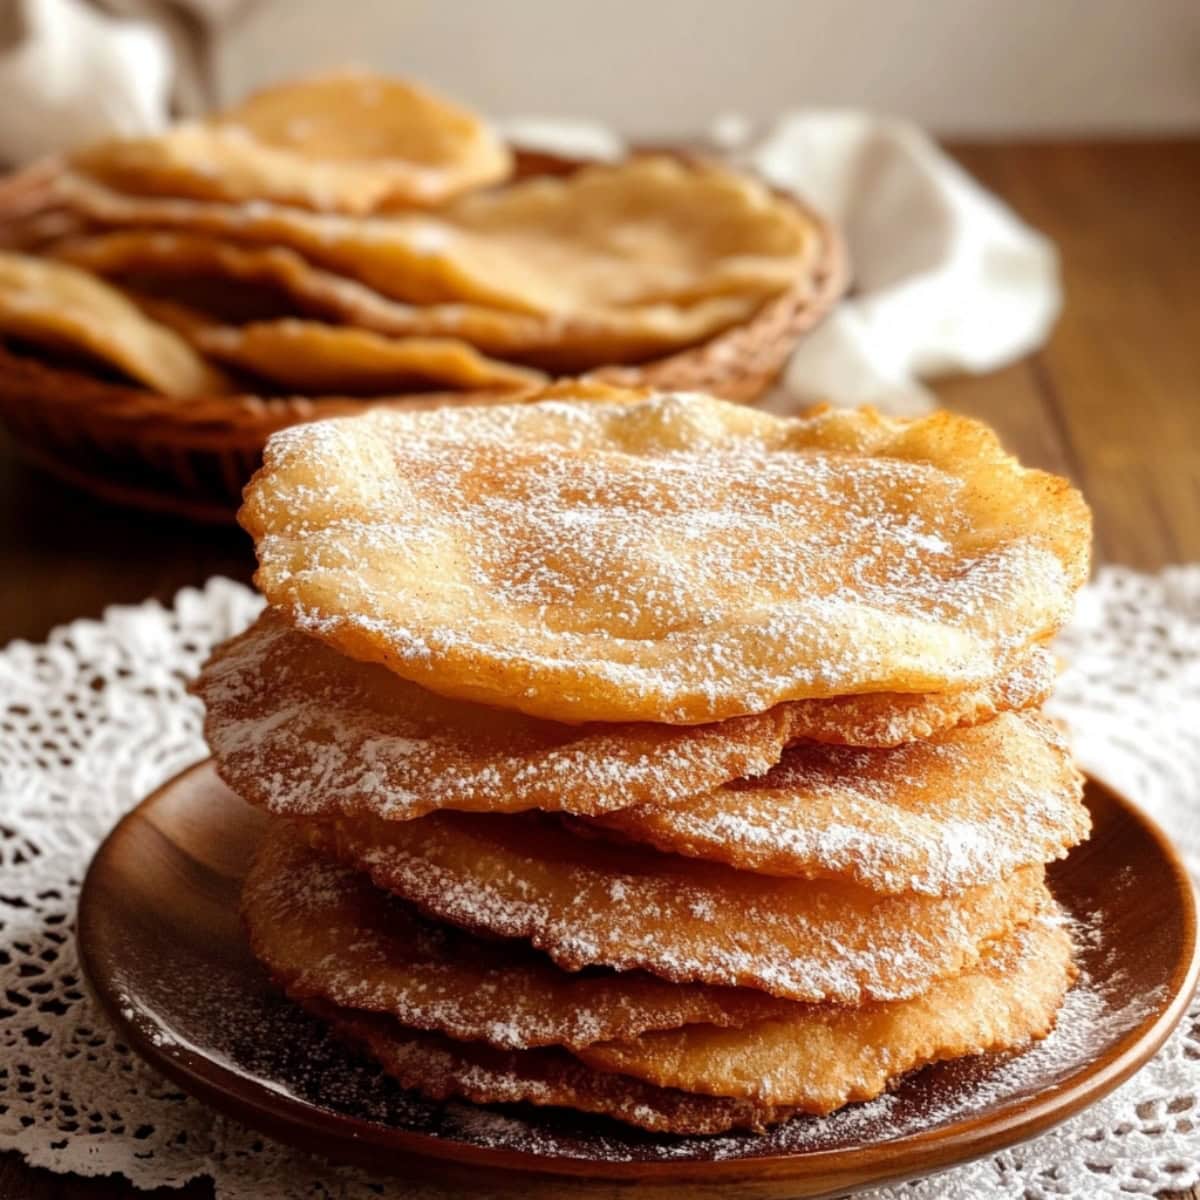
(70, 74)
(946, 277)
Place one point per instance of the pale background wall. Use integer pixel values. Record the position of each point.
(665, 67)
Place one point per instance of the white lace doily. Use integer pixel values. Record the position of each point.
(97, 717)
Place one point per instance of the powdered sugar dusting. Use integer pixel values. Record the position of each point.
(324, 931)
(303, 731)
(932, 817)
(1092, 1017)
(520, 877)
(675, 559)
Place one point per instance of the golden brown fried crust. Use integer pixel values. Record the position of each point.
(822, 1057)
(647, 234)
(59, 307)
(967, 807)
(558, 343)
(217, 422)
(345, 141)
(743, 559)
(310, 356)
(586, 901)
(702, 1079)
(323, 931)
(301, 730)
(442, 1069)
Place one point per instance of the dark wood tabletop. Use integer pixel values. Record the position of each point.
(1113, 401)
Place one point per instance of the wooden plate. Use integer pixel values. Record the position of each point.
(161, 945)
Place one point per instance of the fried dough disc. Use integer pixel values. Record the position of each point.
(588, 901)
(312, 357)
(619, 336)
(57, 306)
(323, 930)
(667, 558)
(652, 231)
(968, 807)
(41, 231)
(441, 1069)
(645, 231)
(823, 1056)
(348, 141)
(891, 718)
(301, 730)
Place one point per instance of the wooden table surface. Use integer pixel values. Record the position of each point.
(1113, 401)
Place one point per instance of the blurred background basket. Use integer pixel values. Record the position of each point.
(192, 456)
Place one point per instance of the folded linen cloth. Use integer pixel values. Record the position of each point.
(72, 71)
(946, 277)
(69, 73)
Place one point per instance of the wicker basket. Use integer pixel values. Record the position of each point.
(192, 456)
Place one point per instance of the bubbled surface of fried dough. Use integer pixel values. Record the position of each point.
(325, 931)
(58, 307)
(967, 807)
(604, 240)
(443, 1069)
(824, 1056)
(301, 730)
(587, 901)
(346, 141)
(627, 335)
(669, 557)
(313, 357)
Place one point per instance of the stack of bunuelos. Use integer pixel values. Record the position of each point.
(349, 240)
(654, 757)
